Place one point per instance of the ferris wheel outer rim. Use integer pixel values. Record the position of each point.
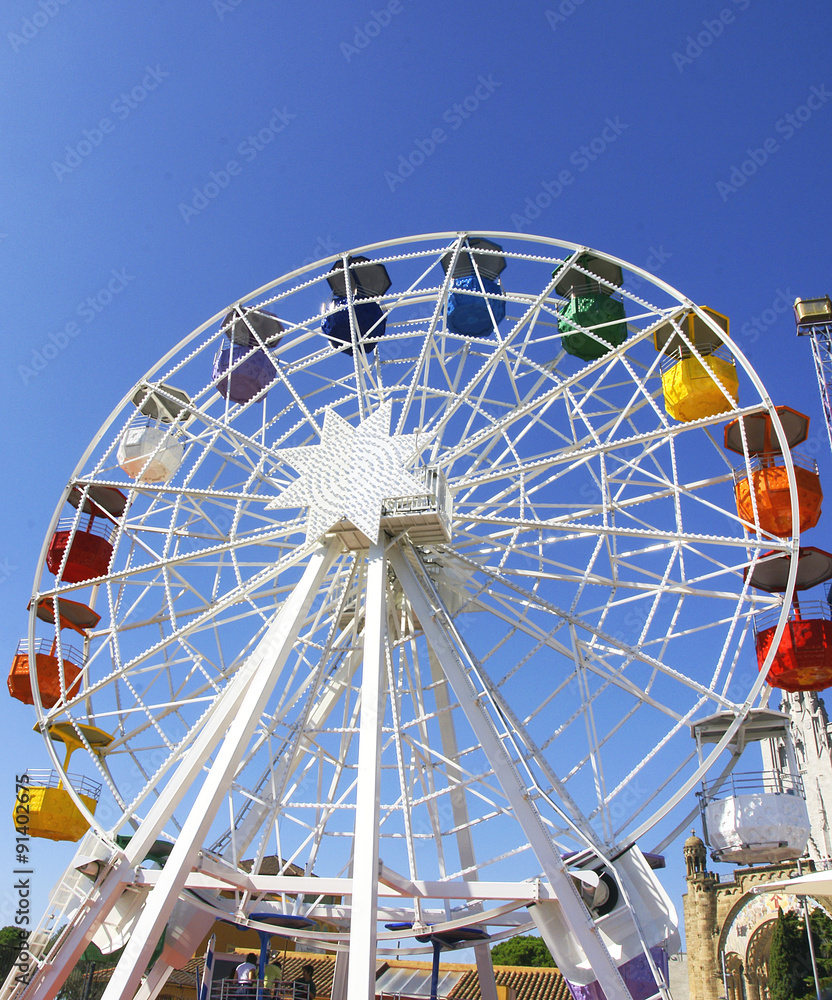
(640, 272)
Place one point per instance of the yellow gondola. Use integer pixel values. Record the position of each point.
(44, 808)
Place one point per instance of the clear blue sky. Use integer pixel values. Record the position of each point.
(159, 160)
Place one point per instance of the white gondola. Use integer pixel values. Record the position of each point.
(757, 817)
(152, 449)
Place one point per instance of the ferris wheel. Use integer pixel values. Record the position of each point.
(412, 570)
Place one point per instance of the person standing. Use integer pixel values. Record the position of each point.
(246, 976)
(271, 977)
(304, 987)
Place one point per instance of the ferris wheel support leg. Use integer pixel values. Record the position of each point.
(271, 654)
(485, 972)
(364, 919)
(48, 980)
(458, 665)
(459, 809)
(155, 980)
(339, 977)
(225, 710)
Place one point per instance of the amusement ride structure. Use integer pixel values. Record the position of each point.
(814, 319)
(421, 592)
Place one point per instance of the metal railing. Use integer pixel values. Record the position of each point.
(774, 460)
(678, 354)
(286, 989)
(409, 996)
(170, 430)
(43, 647)
(99, 527)
(45, 778)
(750, 783)
(435, 496)
(808, 611)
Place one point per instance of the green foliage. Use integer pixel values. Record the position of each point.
(822, 934)
(525, 950)
(10, 945)
(9, 936)
(92, 953)
(787, 945)
(790, 962)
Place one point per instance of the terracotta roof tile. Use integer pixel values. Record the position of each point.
(272, 865)
(528, 983)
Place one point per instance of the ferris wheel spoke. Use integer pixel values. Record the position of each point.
(611, 641)
(536, 832)
(568, 589)
(418, 380)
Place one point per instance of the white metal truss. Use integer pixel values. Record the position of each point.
(532, 582)
(821, 339)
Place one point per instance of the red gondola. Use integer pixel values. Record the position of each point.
(88, 540)
(803, 661)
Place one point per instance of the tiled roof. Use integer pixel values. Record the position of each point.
(187, 976)
(528, 983)
(323, 968)
(272, 865)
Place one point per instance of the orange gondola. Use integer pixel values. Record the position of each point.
(56, 676)
(763, 482)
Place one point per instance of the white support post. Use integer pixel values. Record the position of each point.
(363, 923)
(453, 655)
(154, 981)
(270, 656)
(339, 977)
(459, 807)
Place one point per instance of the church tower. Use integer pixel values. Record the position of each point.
(812, 741)
(701, 928)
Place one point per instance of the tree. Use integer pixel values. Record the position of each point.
(786, 961)
(524, 950)
(822, 934)
(10, 945)
(9, 936)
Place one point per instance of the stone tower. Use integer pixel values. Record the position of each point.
(812, 741)
(700, 905)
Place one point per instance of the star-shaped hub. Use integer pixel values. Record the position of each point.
(350, 472)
